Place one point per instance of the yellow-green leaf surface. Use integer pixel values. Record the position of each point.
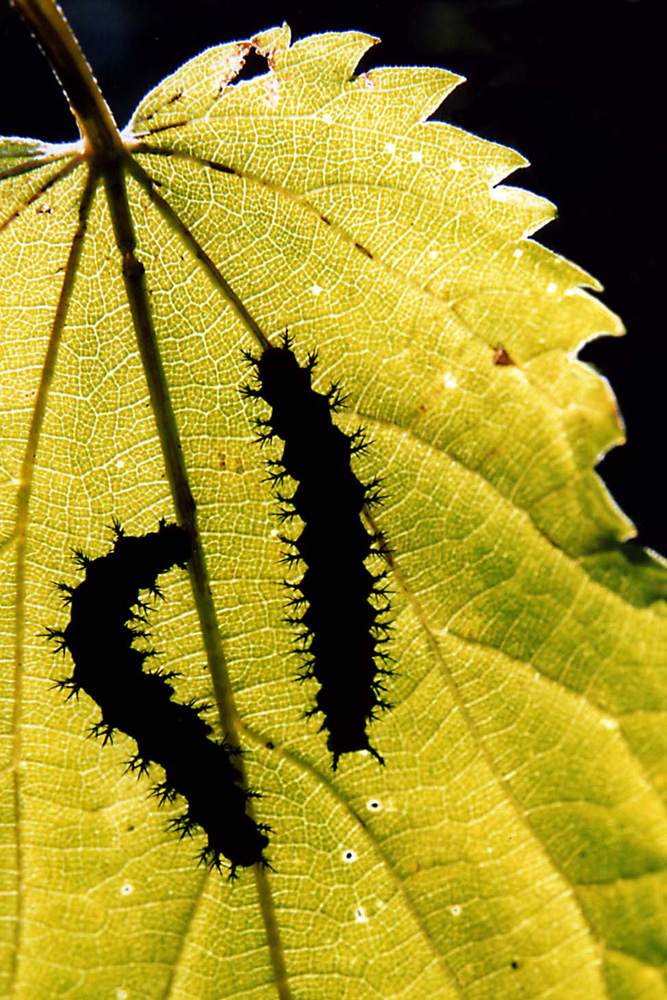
(514, 846)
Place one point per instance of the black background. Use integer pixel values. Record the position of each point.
(577, 87)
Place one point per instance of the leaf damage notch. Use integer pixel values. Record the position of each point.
(273, 45)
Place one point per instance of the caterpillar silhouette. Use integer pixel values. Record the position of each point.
(341, 629)
(110, 670)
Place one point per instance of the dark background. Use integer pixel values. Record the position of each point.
(577, 87)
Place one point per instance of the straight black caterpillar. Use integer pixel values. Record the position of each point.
(110, 670)
(342, 628)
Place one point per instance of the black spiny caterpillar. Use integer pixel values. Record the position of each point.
(341, 628)
(107, 666)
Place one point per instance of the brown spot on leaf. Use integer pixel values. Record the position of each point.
(501, 357)
(229, 463)
(363, 249)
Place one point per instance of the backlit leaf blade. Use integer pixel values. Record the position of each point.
(515, 844)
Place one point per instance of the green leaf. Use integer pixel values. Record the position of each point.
(515, 843)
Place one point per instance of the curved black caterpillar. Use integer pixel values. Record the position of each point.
(340, 628)
(109, 669)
